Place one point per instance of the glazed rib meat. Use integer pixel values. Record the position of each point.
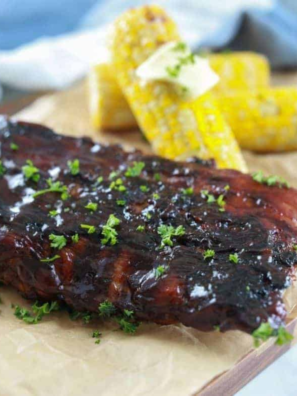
(227, 266)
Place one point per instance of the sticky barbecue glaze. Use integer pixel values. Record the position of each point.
(259, 224)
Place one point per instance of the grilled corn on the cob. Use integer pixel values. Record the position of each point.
(237, 71)
(175, 126)
(263, 121)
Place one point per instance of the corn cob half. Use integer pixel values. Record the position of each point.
(108, 106)
(265, 120)
(240, 71)
(175, 126)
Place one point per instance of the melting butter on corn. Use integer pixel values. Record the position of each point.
(174, 63)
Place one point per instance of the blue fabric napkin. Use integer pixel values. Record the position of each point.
(22, 21)
(264, 26)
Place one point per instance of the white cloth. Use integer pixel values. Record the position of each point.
(52, 63)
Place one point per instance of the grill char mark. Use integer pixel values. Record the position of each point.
(260, 224)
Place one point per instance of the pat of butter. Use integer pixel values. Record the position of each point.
(174, 63)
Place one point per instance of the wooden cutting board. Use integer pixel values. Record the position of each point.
(67, 113)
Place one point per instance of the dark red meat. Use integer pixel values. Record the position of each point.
(259, 224)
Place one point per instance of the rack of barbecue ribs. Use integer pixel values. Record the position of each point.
(174, 242)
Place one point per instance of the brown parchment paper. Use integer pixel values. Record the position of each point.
(59, 357)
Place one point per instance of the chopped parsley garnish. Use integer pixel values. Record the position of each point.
(113, 175)
(99, 180)
(259, 177)
(140, 228)
(187, 59)
(91, 229)
(121, 202)
(73, 167)
(187, 191)
(14, 147)
(2, 168)
(221, 203)
(265, 331)
(233, 258)
(157, 177)
(117, 185)
(283, 337)
(53, 213)
(92, 206)
(39, 311)
(159, 271)
(56, 187)
(167, 232)
(270, 180)
(135, 170)
(156, 196)
(126, 326)
(128, 313)
(208, 254)
(75, 238)
(109, 232)
(107, 309)
(262, 333)
(97, 335)
(58, 241)
(180, 47)
(45, 309)
(23, 314)
(30, 171)
(173, 71)
(227, 187)
(210, 198)
(85, 316)
(148, 215)
(144, 188)
(127, 323)
(50, 259)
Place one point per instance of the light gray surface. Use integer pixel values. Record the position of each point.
(279, 379)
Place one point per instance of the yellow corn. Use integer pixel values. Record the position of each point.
(239, 71)
(108, 106)
(263, 121)
(175, 126)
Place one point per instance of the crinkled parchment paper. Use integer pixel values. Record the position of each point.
(59, 357)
